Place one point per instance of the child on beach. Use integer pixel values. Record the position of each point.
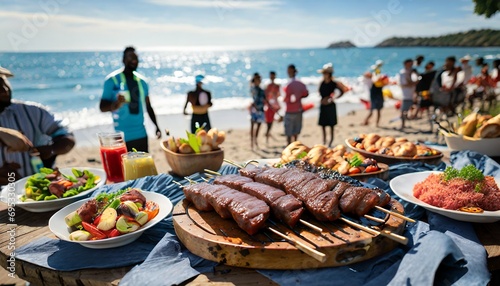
(272, 106)
(256, 109)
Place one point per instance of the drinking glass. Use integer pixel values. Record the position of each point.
(137, 165)
(112, 146)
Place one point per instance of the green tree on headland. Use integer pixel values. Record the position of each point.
(487, 8)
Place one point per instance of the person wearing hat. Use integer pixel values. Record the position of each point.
(125, 95)
(294, 92)
(200, 100)
(328, 109)
(27, 129)
(466, 68)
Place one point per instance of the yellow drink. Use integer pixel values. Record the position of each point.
(137, 165)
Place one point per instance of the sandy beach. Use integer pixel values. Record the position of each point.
(237, 125)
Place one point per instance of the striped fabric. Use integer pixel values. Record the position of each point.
(36, 123)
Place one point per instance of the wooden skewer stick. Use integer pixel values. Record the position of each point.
(308, 224)
(178, 184)
(190, 181)
(375, 219)
(233, 163)
(321, 257)
(212, 172)
(252, 162)
(398, 238)
(395, 214)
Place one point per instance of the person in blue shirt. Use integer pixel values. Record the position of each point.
(125, 95)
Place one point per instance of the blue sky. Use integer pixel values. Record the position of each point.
(48, 25)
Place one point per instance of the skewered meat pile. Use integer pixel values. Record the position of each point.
(325, 199)
(249, 212)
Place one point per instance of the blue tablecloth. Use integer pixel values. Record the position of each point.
(441, 252)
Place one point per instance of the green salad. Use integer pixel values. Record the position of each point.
(50, 184)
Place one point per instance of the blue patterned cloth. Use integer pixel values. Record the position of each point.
(440, 252)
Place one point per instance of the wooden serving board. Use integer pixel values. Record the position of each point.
(207, 235)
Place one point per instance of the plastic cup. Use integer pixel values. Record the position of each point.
(137, 165)
(112, 146)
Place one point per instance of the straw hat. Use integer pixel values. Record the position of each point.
(327, 68)
(466, 58)
(5, 72)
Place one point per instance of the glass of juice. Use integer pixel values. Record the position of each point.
(112, 146)
(137, 165)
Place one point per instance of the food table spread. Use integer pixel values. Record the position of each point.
(30, 227)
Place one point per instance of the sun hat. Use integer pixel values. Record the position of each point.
(466, 58)
(199, 78)
(5, 72)
(327, 68)
(379, 63)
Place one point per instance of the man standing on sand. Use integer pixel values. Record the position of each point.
(294, 92)
(28, 134)
(125, 95)
(408, 79)
(200, 100)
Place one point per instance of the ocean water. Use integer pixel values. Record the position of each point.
(70, 83)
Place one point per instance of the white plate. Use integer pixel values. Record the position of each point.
(59, 228)
(403, 187)
(45, 206)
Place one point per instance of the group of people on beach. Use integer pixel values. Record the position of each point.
(445, 88)
(30, 136)
(265, 106)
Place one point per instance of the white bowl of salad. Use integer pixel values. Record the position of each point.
(53, 189)
(110, 219)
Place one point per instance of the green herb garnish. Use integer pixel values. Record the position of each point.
(469, 173)
(301, 155)
(355, 161)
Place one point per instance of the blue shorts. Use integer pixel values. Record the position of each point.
(257, 116)
(293, 123)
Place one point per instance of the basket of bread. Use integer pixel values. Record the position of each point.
(195, 153)
(480, 133)
(390, 150)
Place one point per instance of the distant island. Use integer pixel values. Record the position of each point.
(472, 38)
(342, 44)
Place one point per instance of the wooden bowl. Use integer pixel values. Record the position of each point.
(188, 164)
(433, 160)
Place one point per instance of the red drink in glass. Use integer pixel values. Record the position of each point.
(112, 146)
(112, 162)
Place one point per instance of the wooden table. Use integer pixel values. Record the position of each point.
(31, 226)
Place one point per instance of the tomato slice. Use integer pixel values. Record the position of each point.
(151, 209)
(111, 233)
(94, 231)
(97, 220)
(371, 168)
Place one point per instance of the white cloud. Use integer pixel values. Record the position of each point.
(219, 4)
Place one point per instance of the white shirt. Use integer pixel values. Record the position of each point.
(408, 91)
(467, 69)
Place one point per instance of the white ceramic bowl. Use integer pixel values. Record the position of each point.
(61, 230)
(486, 146)
(403, 187)
(45, 206)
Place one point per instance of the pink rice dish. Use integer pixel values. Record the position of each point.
(457, 193)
